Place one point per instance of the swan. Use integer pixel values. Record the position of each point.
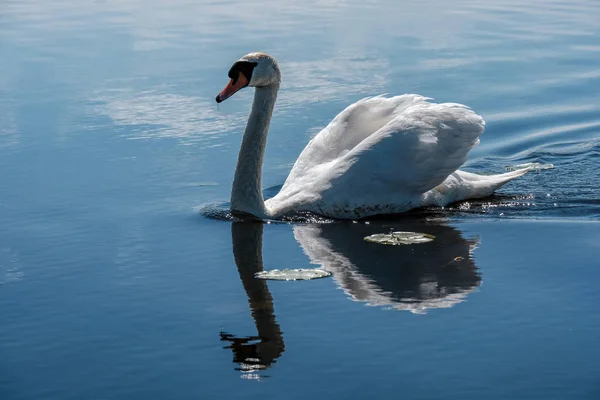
(381, 155)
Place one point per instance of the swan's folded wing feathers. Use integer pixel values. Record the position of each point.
(388, 170)
(413, 153)
(349, 128)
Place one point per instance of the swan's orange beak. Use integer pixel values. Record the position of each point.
(233, 86)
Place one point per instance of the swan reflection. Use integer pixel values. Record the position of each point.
(438, 274)
(257, 352)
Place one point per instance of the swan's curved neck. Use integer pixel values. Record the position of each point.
(246, 194)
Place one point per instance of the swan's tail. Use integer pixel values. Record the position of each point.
(484, 185)
(463, 185)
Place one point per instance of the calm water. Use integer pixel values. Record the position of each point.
(113, 285)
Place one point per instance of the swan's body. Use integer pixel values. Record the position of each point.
(381, 155)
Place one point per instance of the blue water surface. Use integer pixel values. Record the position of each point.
(116, 283)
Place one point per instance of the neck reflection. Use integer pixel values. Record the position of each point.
(254, 353)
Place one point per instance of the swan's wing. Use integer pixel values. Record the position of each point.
(349, 128)
(390, 169)
(416, 151)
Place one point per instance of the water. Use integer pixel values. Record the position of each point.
(114, 285)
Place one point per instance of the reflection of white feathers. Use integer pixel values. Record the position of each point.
(11, 269)
(440, 277)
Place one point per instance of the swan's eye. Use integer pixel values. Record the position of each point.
(244, 67)
(234, 75)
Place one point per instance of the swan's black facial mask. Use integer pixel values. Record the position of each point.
(240, 75)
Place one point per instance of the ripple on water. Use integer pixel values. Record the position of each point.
(221, 212)
(567, 190)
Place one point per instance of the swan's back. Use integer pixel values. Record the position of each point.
(380, 155)
(350, 127)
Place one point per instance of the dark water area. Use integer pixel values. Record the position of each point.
(123, 277)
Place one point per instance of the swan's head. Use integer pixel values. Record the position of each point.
(255, 70)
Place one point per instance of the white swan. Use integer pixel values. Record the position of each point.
(379, 156)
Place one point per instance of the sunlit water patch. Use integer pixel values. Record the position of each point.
(160, 114)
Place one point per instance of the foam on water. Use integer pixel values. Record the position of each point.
(533, 166)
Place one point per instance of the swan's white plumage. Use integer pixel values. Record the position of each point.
(381, 155)
(387, 155)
